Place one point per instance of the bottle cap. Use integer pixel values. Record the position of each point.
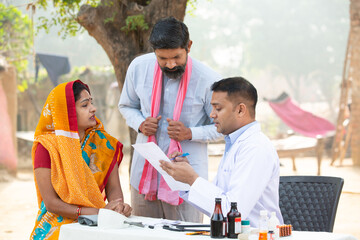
(217, 199)
(233, 204)
(245, 222)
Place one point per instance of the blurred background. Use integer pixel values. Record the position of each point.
(301, 48)
(280, 46)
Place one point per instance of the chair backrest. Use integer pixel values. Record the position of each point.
(309, 203)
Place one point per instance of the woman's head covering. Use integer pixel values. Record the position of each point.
(77, 175)
(79, 171)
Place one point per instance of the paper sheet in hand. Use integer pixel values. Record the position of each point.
(153, 154)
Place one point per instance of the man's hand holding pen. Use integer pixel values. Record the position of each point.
(179, 168)
(175, 157)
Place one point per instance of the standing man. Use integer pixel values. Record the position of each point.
(249, 170)
(166, 99)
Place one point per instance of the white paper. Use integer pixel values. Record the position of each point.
(109, 219)
(151, 152)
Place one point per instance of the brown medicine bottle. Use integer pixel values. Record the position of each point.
(217, 221)
(234, 221)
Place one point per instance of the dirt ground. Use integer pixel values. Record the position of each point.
(18, 205)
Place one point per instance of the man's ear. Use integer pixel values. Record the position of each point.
(189, 46)
(241, 109)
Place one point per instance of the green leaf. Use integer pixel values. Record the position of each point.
(135, 23)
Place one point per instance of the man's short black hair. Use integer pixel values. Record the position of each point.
(238, 87)
(169, 33)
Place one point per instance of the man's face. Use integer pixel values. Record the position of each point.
(172, 61)
(225, 115)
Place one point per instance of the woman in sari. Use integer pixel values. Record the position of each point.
(75, 162)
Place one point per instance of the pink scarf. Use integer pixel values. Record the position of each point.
(148, 181)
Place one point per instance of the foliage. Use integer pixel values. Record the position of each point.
(65, 11)
(135, 23)
(191, 7)
(63, 15)
(15, 37)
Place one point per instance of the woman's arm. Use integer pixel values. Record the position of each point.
(54, 204)
(52, 201)
(113, 188)
(114, 192)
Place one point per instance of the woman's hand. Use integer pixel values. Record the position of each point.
(119, 206)
(125, 209)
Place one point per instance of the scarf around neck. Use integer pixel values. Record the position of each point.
(148, 182)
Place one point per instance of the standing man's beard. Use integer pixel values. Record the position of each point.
(174, 73)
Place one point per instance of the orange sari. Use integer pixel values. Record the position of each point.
(79, 171)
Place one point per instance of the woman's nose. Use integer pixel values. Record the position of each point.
(93, 109)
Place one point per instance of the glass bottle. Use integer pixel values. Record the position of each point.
(263, 225)
(217, 221)
(234, 221)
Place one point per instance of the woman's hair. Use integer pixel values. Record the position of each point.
(78, 87)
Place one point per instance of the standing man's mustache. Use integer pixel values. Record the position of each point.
(175, 72)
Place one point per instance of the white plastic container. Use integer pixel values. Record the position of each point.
(263, 225)
(273, 223)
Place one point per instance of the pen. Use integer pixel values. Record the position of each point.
(182, 155)
(198, 233)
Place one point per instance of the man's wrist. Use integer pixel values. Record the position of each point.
(192, 179)
(139, 129)
(189, 134)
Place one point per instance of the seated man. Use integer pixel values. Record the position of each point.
(249, 170)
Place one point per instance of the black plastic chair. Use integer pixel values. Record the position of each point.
(309, 203)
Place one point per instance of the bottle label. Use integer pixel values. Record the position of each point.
(263, 235)
(238, 225)
(271, 236)
(224, 229)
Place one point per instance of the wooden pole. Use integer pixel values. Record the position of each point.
(345, 85)
(355, 89)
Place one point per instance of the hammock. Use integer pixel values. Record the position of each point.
(302, 122)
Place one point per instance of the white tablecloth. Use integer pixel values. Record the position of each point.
(76, 231)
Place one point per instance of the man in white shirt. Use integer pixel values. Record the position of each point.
(249, 170)
(194, 128)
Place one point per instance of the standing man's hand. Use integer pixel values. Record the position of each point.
(178, 131)
(180, 171)
(149, 126)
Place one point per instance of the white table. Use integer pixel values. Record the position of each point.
(76, 231)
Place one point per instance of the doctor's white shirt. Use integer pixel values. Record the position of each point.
(247, 174)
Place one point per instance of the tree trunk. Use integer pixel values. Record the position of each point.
(355, 72)
(122, 47)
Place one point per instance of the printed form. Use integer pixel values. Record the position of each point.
(151, 152)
